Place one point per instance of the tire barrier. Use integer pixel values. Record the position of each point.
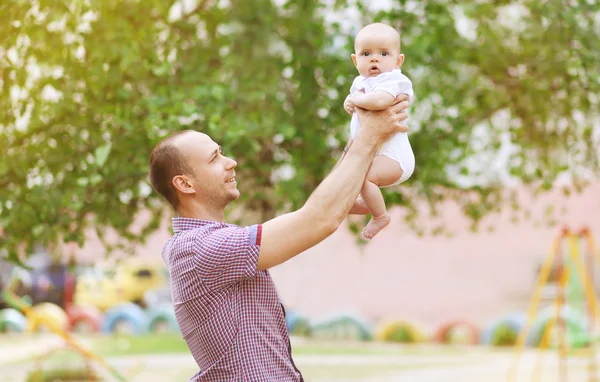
(400, 332)
(12, 321)
(84, 319)
(132, 319)
(50, 312)
(574, 322)
(125, 318)
(504, 331)
(443, 334)
(345, 327)
(161, 320)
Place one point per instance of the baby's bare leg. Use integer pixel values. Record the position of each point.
(359, 208)
(384, 171)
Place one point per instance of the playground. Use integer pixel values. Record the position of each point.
(474, 279)
(134, 336)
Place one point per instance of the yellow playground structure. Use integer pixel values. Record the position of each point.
(570, 323)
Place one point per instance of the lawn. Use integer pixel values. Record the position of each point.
(122, 345)
(160, 357)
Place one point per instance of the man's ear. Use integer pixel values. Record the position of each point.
(354, 59)
(183, 185)
(400, 61)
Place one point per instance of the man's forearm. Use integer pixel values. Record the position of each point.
(343, 154)
(338, 191)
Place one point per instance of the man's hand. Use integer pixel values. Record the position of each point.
(383, 124)
(348, 105)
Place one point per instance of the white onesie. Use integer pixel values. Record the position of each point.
(398, 147)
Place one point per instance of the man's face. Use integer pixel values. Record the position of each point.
(377, 52)
(214, 174)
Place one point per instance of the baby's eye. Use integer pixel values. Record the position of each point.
(384, 53)
(365, 53)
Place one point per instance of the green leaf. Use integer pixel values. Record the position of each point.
(95, 179)
(37, 230)
(101, 154)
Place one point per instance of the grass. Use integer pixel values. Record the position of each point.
(63, 375)
(168, 343)
(115, 346)
(319, 360)
(123, 345)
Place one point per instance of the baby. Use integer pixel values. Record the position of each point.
(378, 60)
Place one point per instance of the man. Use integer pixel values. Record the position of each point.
(225, 302)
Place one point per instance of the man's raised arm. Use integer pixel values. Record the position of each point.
(288, 235)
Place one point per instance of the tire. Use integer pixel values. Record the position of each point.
(574, 320)
(344, 327)
(88, 316)
(47, 311)
(129, 314)
(511, 325)
(161, 319)
(12, 321)
(297, 325)
(441, 335)
(400, 332)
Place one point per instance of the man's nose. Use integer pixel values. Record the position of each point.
(231, 164)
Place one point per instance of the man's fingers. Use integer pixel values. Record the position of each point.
(400, 106)
(402, 116)
(402, 128)
(400, 98)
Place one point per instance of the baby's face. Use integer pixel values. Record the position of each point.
(376, 53)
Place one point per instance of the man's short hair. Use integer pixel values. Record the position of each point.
(166, 162)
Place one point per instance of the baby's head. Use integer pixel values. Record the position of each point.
(377, 50)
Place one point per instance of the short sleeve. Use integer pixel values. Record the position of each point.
(358, 84)
(394, 83)
(228, 255)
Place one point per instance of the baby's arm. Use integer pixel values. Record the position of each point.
(377, 100)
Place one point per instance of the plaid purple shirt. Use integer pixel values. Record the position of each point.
(229, 312)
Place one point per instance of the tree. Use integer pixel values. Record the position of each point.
(91, 87)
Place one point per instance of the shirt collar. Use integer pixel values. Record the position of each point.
(363, 78)
(184, 224)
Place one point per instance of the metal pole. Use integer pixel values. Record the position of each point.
(591, 300)
(535, 299)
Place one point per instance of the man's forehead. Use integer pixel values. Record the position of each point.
(195, 141)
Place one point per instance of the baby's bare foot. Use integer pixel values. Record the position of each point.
(376, 225)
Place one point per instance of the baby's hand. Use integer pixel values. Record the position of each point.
(349, 105)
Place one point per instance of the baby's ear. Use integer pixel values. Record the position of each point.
(354, 59)
(400, 60)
